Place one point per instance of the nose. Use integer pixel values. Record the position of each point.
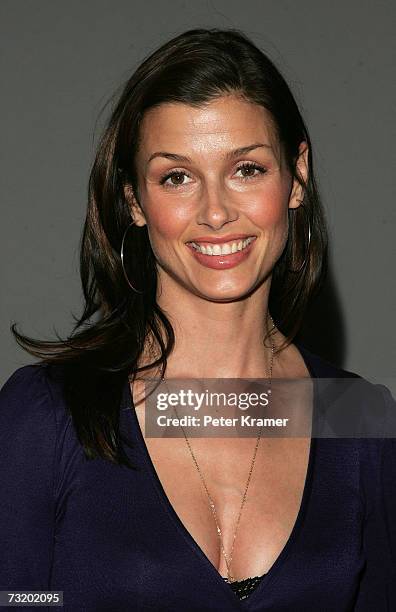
(216, 208)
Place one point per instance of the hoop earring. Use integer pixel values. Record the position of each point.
(309, 241)
(122, 260)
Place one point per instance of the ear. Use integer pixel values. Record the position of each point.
(297, 192)
(136, 211)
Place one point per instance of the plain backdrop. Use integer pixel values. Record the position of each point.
(60, 63)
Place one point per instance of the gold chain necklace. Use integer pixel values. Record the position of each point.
(228, 558)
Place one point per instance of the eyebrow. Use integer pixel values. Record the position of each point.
(229, 155)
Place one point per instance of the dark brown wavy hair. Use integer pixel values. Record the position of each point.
(116, 324)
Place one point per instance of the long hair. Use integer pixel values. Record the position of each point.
(116, 324)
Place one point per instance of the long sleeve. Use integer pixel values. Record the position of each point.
(378, 585)
(27, 463)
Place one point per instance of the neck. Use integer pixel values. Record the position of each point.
(219, 340)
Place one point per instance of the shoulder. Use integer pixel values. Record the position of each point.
(373, 410)
(27, 387)
(353, 401)
(320, 367)
(31, 379)
(31, 400)
(37, 438)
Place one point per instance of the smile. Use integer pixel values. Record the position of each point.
(222, 255)
(222, 249)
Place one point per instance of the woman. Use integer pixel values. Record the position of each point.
(204, 241)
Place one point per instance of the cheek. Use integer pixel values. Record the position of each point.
(269, 211)
(166, 222)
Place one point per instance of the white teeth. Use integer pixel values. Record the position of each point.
(222, 249)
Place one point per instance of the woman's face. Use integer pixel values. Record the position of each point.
(214, 194)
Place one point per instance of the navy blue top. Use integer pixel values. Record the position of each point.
(108, 537)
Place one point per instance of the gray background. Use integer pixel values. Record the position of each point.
(61, 61)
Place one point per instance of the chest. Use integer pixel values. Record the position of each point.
(118, 540)
(255, 518)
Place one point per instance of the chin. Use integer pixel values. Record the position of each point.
(226, 294)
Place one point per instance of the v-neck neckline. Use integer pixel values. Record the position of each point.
(269, 576)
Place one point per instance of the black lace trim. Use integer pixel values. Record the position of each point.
(243, 588)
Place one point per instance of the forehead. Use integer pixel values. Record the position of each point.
(221, 124)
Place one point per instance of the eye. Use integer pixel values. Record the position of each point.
(250, 170)
(176, 178)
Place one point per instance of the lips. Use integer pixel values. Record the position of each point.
(224, 248)
(221, 239)
(224, 253)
